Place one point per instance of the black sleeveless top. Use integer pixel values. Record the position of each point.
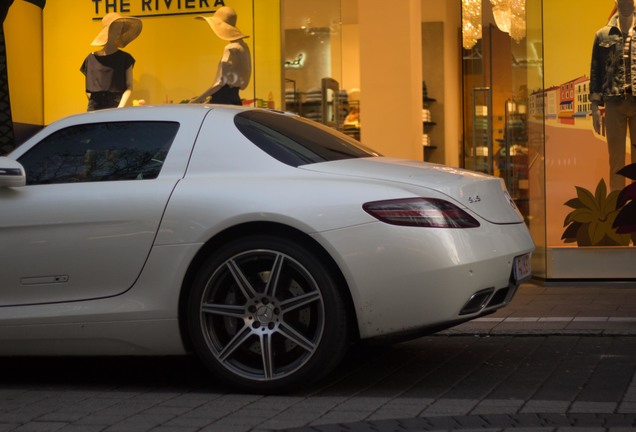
(107, 73)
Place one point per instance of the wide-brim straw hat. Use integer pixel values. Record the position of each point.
(131, 27)
(223, 23)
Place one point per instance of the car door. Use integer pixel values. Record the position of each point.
(85, 222)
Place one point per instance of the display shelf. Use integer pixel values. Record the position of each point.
(328, 105)
(427, 122)
(513, 154)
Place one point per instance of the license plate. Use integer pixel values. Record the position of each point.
(522, 267)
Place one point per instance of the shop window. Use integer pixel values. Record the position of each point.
(321, 79)
(531, 95)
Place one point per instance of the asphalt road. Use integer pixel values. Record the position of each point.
(444, 382)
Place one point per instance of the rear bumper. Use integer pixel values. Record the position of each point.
(412, 279)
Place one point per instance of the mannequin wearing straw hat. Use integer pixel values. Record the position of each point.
(235, 68)
(109, 71)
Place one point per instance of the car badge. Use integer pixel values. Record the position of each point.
(510, 200)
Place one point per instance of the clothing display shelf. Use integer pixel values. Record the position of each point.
(428, 124)
(292, 96)
(512, 157)
(482, 145)
(351, 123)
(327, 104)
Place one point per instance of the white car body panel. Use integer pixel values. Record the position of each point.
(94, 224)
(141, 321)
(399, 278)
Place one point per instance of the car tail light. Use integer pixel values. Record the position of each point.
(421, 212)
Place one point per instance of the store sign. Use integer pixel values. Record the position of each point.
(145, 8)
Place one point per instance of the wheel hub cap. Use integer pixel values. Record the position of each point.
(265, 314)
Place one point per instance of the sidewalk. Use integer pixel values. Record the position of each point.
(573, 307)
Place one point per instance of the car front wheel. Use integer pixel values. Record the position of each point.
(265, 314)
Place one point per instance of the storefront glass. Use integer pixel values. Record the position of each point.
(528, 119)
(497, 68)
(586, 236)
(501, 66)
(176, 54)
(320, 52)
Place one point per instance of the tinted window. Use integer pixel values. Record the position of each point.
(296, 141)
(100, 152)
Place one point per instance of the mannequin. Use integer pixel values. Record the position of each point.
(235, 68)
(109, 71)
(613, 85)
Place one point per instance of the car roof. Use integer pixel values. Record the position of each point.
(163, 110)
(192, 114)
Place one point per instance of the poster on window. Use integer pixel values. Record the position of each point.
(588, 108)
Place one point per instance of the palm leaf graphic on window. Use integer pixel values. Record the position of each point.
(625, 221)
(593, 218)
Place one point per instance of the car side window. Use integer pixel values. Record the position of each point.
(296, 141)
(133, 150)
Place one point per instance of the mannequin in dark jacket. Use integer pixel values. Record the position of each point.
(613, 85)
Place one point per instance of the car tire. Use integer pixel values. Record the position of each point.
(266, 315)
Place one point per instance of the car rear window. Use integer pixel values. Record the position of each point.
(297, 141)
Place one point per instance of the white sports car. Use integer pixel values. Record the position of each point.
(260, 241)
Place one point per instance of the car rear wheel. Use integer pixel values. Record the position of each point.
(266, 315)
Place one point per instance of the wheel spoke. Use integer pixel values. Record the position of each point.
(299, 301)
(293, 335)
(244, 284)
(274, 275)
(268, 356)
(232, 311)
(238, 339)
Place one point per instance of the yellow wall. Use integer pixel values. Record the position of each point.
(268, 50)
(176, 55)
(23, 36)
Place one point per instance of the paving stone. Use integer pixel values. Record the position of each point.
(545, 406)
(446, 407)
(40, 427)
(593, 407)
(490, 406)
(80, 428)
(627, 408)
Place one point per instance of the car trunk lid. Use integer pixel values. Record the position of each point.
(481, 193)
